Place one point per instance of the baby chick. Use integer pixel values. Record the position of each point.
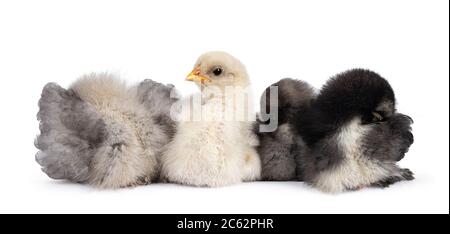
(102, 132)
(278, 149)
(216, 149)
(347, 137)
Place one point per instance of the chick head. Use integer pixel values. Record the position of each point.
(358, 92)
(219, 69)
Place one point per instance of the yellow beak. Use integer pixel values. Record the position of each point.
(195, 76)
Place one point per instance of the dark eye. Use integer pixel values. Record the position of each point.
(374, 117)
(377, 117)
(217, 71)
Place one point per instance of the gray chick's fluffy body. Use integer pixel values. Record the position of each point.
(347, 136)
(104, 133)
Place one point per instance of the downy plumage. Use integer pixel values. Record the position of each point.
(102, 132)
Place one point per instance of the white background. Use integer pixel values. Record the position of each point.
(407, 42)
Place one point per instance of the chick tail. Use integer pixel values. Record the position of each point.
(70, 130)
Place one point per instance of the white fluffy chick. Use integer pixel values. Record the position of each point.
(218, 148)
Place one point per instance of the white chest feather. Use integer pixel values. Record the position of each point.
(210, 151)
(355, 170)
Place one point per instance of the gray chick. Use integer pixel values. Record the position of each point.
(104, 133)
(278, 149)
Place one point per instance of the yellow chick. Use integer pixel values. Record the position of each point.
(214, 144)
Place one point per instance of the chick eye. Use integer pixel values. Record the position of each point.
(217, 71)
(377, 117)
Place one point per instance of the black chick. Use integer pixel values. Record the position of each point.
(349, 135)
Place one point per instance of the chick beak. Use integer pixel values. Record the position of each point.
(195, 76)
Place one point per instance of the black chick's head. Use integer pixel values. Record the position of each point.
(354, 93)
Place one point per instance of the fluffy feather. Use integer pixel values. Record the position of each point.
(102, 132)
(349, 136)
(278, 149)
(214, 151)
